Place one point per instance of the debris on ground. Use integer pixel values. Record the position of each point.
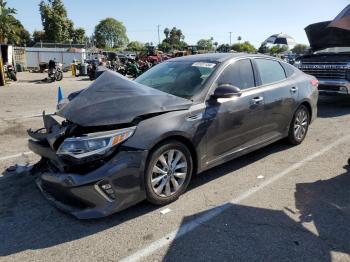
(21, 167)
(165, 211)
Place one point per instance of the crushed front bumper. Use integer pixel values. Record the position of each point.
(81, 195)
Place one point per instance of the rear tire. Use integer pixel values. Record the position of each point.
(168, 172)
(299, 125)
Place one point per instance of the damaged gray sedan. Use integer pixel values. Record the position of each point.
(119, 141)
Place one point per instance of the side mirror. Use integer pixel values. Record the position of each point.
(226, 91)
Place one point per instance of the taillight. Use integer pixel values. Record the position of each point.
(314, 83)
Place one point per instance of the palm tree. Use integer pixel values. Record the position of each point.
(179, 34)
(239, 39)
(216, 46)
(7, 21)
(166, 32)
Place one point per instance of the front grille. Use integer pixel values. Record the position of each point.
(329, 70)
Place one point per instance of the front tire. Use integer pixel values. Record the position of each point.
(168, 172)
(299, 125)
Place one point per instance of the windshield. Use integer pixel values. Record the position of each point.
(183, 79)
(334, 50)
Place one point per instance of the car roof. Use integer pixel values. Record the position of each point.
(214, 57)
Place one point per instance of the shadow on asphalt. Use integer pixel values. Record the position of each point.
(243, 233)
(333, 106)
(85, 79)
(326, 203)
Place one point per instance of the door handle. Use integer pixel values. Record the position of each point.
(294, 89)
(257, 100)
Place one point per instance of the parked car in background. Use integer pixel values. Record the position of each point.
(124, 141)
(329, 57)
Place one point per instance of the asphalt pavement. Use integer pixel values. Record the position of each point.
(280, 203)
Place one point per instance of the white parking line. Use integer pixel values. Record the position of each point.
(193, 224)
(16, 155)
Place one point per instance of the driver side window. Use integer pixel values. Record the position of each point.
(239, 74)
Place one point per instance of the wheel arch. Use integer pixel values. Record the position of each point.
(180, 138)
(307, 104)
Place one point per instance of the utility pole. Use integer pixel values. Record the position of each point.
(158, 35)
(230, 38)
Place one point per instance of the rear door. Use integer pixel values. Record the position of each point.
(281, 94)
(234, 123)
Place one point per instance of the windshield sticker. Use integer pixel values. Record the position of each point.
(203, 64)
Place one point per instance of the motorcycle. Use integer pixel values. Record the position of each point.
(132, 69)
(91, 70)
(55, 74)
(144, 66)
(10, 71)
(121, 70)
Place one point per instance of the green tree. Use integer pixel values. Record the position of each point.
(78, 36)
(300, 49)
(38, 36)
(110, 33)
(205, 44)
(20, 35)
(57, 27)
(25, 38)
(277, 49)
(11, 29)
(166, 32)
(223, 48)
(263, 49)
(243, 47)
(136, 46)
(174, 39)
(165, 47)
(9, 24)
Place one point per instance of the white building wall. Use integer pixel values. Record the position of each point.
(36, 55)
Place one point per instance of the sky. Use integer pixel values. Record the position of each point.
(253, 20)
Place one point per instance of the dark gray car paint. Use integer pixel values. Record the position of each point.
(114, 99)
(235, 117)
(215, 130)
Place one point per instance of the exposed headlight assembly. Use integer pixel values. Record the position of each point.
(94, 143)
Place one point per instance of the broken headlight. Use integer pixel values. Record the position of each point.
(94, 143)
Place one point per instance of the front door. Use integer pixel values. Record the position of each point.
(234, 124)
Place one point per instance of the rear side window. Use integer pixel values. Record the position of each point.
(239, 74)
(270, 71)
(289, 69)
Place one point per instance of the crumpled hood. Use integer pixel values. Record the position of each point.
(322, 36)
(114, 99)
